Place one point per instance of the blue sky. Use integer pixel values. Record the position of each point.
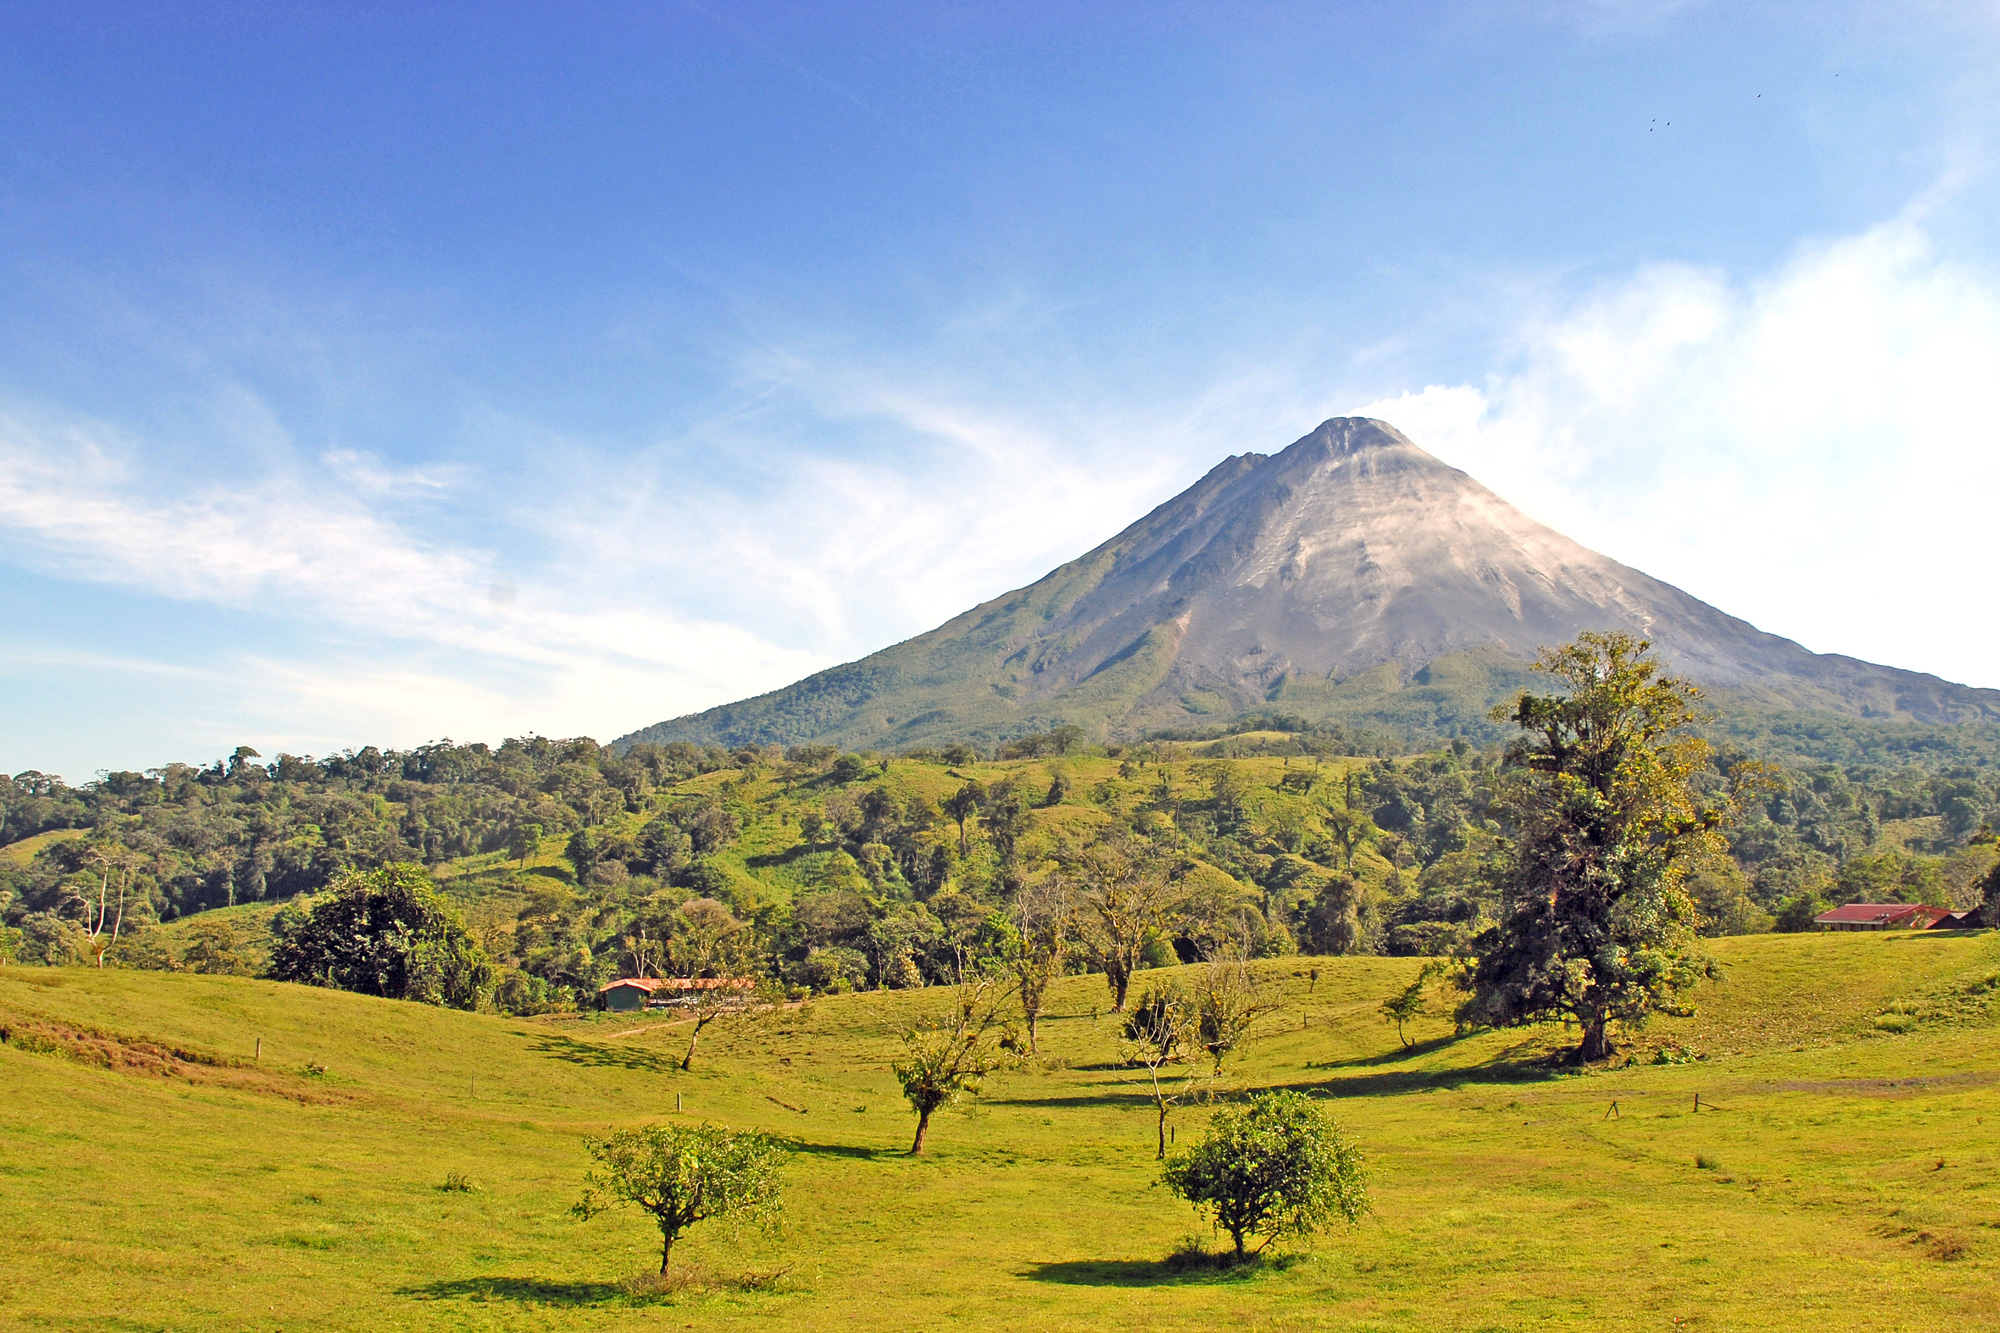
(379, 373)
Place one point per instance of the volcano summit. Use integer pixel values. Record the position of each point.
(1351, 577)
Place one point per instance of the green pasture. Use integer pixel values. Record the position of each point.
(193, 1152)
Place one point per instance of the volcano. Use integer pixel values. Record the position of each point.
(1350, 578)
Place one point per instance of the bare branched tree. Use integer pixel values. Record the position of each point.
(1163, 1028)
(1127, 893)
(113, 864)
(713, 949)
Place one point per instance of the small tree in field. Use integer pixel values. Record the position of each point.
(1406, 1004)
(1039, 932)
(681, 1175)
(1162, 1029)
(1228, 1002)
(1278, 1168)
(949, 1054)
(710, 946)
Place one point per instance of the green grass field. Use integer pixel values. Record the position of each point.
(1851, 1180)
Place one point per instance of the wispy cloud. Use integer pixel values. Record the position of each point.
(329, 549)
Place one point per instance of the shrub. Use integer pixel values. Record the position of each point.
(1279, 1168)
(523, 994)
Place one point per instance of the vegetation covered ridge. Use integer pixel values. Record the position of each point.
(573, 864)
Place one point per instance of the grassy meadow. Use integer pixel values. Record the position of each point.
(193, 1152)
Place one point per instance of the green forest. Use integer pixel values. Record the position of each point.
(573, 862)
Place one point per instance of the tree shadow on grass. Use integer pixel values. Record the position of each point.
(1177, 1270)
(1133, 1098)
(1395, 1055)
(519, 1290)
(1523, 1062)
(849, 1150)
(604, 1057)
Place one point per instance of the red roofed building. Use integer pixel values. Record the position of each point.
(629, 993)
(1882, 916)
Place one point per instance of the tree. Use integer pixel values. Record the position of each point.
(1798, 912)
(382, 932)
(1227, 1005)
(584, 852)
(1989, 898)
(1596, 923)
(710, 827)
(710, 944)
(1350, 830)
(1405, 1005)
(1334, 921)
(99, 926)
(962, 805)
(1161, 1029)
(682, 1175)
(1040, 923)
(1127, 896)
(523, 841)
(1278, 1168)
(212, 948)
(949, 1054)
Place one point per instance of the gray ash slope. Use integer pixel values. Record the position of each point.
(1351, 577)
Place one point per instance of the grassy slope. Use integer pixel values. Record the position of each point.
(22, 852)
(262, 1197)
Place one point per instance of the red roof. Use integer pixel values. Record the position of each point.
(1875, 914)
(651, 984)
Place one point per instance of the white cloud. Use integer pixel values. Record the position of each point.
(1817, 450)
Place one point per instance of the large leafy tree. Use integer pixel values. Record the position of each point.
(1609, 819)
(382, 932)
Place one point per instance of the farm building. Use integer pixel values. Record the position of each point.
(1972, 918)
(629, 993)
(1882, 916)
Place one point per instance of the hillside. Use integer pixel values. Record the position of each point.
(1351, 578)
(1847, 1181)
(852, 870)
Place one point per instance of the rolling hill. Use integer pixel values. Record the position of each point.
(211, 1153)
(1350, 578)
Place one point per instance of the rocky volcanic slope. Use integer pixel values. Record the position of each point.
(1352, 577)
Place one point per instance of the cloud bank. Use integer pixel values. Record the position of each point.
(1815, 450)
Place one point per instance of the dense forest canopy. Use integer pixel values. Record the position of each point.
(860, 870)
